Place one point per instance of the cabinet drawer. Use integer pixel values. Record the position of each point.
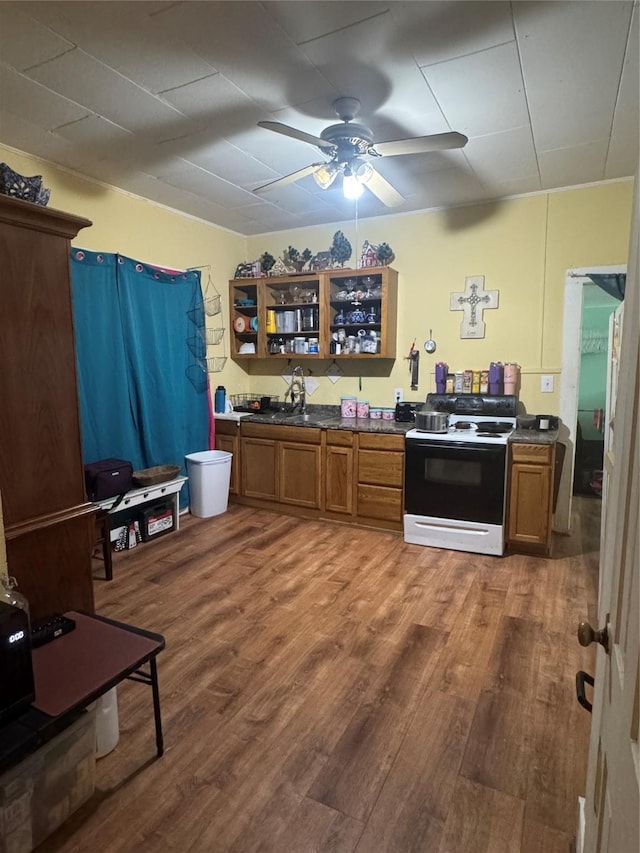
(340, 437)
(536, 453)
(276, 432)
(380, 467)
(227, 427)
(380, 502)
(380, 441)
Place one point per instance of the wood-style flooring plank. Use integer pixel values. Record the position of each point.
(413, 805)
(482, 820)
(332, 689)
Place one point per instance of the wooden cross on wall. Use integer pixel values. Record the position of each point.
(473, 300)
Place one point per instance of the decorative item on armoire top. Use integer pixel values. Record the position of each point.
(19, 186)
(472, 301)
(385, 254)
(340, 249)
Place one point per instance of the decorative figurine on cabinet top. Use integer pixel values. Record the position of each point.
(19, 186)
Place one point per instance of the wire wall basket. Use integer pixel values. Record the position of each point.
(197, 346)
(212, 301)
(215, 336)
(214, 364)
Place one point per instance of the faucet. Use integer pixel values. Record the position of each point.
(298, 388)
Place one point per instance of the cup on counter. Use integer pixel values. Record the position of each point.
(362, 409)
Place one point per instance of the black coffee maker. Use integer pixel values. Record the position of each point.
(16, 683)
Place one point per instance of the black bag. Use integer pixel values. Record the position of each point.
(107, 478)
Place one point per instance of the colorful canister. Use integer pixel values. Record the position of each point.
(348, 407)
(362, 408)
(375, 414)
(388, 414)
(271, 322)
(511, 374)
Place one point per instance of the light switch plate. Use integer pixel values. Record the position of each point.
(546, 384)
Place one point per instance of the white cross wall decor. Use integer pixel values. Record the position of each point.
(473, 300)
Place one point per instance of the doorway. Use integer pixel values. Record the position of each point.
(597, 308)
(575, 282)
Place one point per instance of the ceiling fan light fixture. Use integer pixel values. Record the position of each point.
(362, 171)
(325, 175)
(352, 188)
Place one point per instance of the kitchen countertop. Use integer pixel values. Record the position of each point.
(326, 417)
(534, 436)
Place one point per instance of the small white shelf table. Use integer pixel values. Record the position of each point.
(145, 495)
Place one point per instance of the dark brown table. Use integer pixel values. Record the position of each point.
(77, 668)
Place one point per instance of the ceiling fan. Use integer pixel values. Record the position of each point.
(350, 148)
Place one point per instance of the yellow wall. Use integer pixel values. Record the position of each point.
(523, 247)
(147, 232)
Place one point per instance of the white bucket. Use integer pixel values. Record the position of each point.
(107, 726)
(209, 476)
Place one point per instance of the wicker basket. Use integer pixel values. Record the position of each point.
(158, 474)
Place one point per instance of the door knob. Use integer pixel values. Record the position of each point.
(586, 636)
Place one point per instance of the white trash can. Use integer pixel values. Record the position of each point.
(209, 476)
(107, 723)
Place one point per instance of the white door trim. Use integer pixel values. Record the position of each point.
(575, 279)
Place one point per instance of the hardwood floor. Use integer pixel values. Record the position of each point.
(332, 689)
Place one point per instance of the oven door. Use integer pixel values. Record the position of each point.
(455, 480)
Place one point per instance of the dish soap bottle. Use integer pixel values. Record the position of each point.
(220, 400)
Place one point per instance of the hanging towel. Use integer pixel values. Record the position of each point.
(598, 419)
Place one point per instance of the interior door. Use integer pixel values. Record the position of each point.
(612, 793)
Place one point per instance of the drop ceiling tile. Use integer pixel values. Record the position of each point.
(73, 19)
(562, 47)
(202, 183)
(20, 52)
(496, 188)
(25, 136)
(249, 47)
(304, 22)
(221, 158)
(622, 157)
(95, 133)
(89, 83)
(482, 93)
(577, 164)
(45, 108)
(439, 189)
(505, 156)
(437, 31)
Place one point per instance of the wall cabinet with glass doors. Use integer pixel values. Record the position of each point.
(325, 314)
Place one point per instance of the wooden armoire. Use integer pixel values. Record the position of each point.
(49, 525)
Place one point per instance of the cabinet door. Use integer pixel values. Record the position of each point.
(231, 444)
(339, 480)
(259, 464)
(530, 505)
(300, 473)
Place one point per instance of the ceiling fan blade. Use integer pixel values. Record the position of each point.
(421, 144)
(294, 133)
(382, 189)
(288, 179)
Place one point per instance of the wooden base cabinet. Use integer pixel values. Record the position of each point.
(49, 525)
(380, 478)
(338, 494)
(333, 474)
(228, 439)
(529, 526)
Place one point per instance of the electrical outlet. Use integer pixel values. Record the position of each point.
(398, 395)
(546, 384)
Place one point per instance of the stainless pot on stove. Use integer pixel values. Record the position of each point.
(429, 421)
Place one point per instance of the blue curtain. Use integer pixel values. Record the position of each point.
(611, 283)
(138, 397)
